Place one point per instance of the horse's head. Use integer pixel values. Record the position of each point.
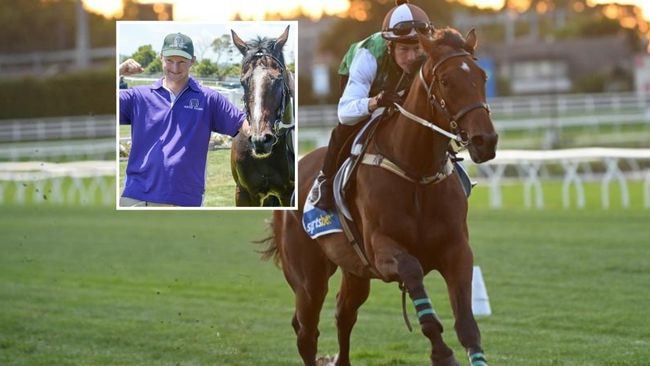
(456, 87)
(265, 89)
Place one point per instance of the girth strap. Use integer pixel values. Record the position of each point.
(383, 162)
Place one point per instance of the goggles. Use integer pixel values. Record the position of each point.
(404, 28)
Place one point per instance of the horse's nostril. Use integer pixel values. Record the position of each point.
(268, 138)
(477, 140)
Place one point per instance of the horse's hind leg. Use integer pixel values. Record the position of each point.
(309, 302)
(353, 293)
(307, 270)
(458, 275)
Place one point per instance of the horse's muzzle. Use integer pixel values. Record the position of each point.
(262, 143)
(483, 147)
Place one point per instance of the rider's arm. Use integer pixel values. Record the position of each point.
(353, 105)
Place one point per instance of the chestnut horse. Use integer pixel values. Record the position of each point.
(410, 210)
(263, 163)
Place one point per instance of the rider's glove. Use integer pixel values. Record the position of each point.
(387, 98)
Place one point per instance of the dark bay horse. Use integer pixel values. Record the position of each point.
(411, 215)
(263, 163)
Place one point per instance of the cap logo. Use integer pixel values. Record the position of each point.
(178, 42)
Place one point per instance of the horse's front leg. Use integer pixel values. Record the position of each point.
(458, 275)
(242, 197)
(286, 198)
(394, 263)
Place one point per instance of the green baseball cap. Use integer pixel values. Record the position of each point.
(178, 44)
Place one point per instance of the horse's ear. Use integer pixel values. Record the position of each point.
(241, 45)
(279, 43)
(470, 41)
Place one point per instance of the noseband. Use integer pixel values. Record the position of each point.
(440, 106)
(278, 124)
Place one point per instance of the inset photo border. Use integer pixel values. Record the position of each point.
(184, 89)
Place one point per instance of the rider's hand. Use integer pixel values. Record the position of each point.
(387, 98)
(130, 67)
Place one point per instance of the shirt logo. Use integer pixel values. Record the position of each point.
(193, 104)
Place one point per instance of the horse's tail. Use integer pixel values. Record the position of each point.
(271, 250)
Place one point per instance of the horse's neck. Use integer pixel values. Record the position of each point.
(414, 147)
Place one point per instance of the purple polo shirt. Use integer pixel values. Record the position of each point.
(167, 163)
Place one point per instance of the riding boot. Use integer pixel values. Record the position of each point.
(325, 195)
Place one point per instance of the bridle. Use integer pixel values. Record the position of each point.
(438, 104)
(279, 127)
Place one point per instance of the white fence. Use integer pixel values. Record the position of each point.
(83, 182)
(547, 114)
(533, 167)
(54, 128)
(92, 137)
(35, 62)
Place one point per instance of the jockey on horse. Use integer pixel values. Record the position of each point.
(371, 70)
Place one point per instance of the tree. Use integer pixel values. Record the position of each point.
(205, 68)
(35, 25)
(233, 70)
(155, 67)
(222, 46)
(145, 55)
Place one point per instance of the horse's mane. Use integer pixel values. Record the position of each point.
(262, 45)
(449, 37)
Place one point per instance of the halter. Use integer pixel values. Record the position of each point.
(278, 124)
(458, 137)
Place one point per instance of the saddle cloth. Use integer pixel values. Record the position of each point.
(317, 222)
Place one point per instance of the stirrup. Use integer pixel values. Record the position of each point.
(321, 193)
(315, 193)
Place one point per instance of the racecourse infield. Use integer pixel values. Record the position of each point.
(94, 286)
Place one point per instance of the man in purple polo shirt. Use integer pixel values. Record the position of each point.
(171, 122)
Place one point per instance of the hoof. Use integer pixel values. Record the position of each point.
(327, 360)
(449, 361)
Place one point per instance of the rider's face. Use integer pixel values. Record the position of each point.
(405, 54)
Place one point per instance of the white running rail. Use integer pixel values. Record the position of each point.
(59, 183)
(576, 165)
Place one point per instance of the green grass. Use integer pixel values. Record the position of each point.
(513, 195)
(91, 286)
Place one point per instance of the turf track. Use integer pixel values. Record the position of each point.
(99, 287)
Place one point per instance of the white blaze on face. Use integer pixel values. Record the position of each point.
(258, 88)
(464, 67)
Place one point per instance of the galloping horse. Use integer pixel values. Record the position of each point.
(408, 206)
(262, 164)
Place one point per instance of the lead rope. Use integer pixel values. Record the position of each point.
(404, 314)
